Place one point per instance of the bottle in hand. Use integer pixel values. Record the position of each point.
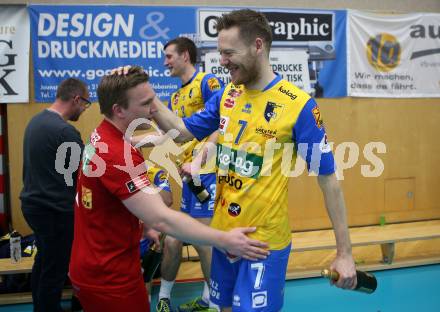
(366, 282)
(198, 190)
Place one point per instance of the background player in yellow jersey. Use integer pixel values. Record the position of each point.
(197, 88)
(257, 114)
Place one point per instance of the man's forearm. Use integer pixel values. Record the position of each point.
(209, 150)
(334, 202)
(167, 120)
(156, 215)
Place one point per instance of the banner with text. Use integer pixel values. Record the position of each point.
(318, 34)
(14, 54)
(87, 41)
(290, 65)
(393, 55)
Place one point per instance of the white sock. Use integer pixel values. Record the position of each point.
(205, 294)
(165, 288)
(214, 306)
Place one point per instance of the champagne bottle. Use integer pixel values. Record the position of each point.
(152, 259)
(15, 245)
(198, 190)
(366, 282)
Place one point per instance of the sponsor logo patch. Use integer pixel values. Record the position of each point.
(273, 111)
(233, 93)
(234, 209)
(230, 100)
(229, 103)
(267, 133)
(259, 299)
(224, 121)
(138, 183)
(213, 84)
(247, 108)
(244, 164)
(231, 181)
(317, 114)
(86, 197)
(176, 98)
(94, 137)
(324, 146)
(287, 92)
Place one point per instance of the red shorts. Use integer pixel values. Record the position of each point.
(134, 300)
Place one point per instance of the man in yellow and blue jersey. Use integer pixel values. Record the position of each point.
(160, 181)
(258, 115)
(197, 88)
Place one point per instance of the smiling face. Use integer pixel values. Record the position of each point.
(174, 61)
(140, 104)
(238, 57)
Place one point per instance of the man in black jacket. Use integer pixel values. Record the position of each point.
(52, 151)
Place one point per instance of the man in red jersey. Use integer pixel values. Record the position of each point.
(114, 193)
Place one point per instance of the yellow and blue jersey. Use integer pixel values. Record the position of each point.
(256, 128)
(191, 98)
(159, 178)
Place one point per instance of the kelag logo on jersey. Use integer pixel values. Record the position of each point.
(272, 111)
(245, 164)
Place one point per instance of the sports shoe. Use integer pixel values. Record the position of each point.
(163, 305)
(195, 305)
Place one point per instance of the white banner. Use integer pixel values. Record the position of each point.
(292, 65)
(393, 55)
(14, 54)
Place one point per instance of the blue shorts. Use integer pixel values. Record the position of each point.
(192, 206)
(144, 245)
(248, 285)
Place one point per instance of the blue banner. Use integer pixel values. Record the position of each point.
(87, 41)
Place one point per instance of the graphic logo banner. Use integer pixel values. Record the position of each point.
(393, 55)
(88, 41)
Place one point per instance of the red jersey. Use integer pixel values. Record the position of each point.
(105, 252)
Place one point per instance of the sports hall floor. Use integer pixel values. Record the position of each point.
(415, 289)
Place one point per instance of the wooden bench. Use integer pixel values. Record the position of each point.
(24, 266)
(386, 236)
(6, 268)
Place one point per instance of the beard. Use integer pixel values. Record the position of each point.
(74, 117)
(247, 73)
